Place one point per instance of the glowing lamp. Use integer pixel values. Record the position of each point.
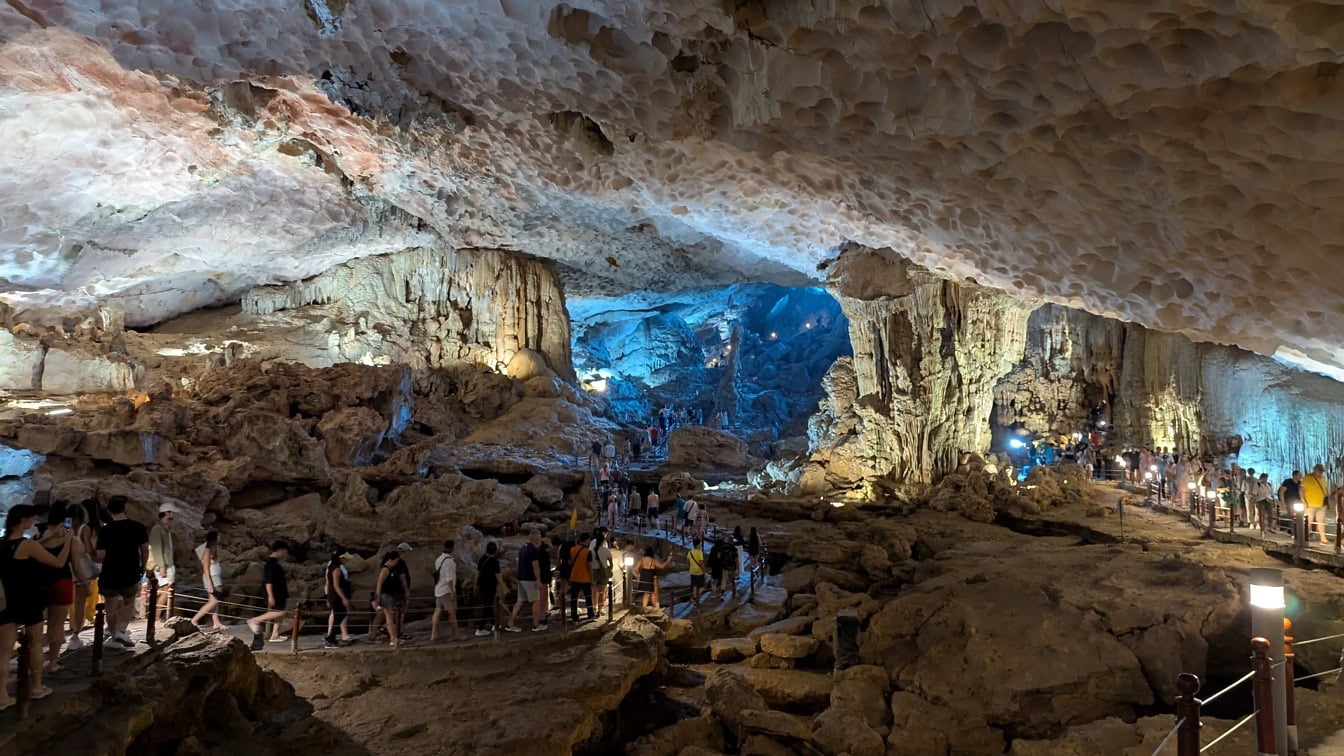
(599, 385)
(1016, 443)
(1153, 468)
(1148, 476)
(628, 560)
(807, 325)
(1121, 461)
(773, 335)
(837, 504)
(61, 411)
(1191, 485)
(1101, 423)
(1299, 507)
(1267, 588)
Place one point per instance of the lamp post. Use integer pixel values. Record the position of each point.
(1299, 538)
(1267, 622)
(1190, 492)
(627, 564)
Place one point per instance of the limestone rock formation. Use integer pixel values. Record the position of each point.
(927, 353)
(697, 447)
(424, 308)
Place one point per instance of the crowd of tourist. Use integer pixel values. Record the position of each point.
(1251, 498)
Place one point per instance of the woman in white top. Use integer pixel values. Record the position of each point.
(212, 575)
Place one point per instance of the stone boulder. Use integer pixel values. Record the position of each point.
(677, 738)
(840, 731)
(527, 364)
(788, 646)
(730, 695)
(278, 448)
(125, 447)
(728, 650)
(71, 369)
(789, 626)
(17, 463)
(920, 728)
(862, 691)
(50, 439)
(440, 507)
(699, 447)
(20, 362)
(352, 435)
(791, 689)
(679, 484)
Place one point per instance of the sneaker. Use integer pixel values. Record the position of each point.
(539, 629)
(74, 644)
(281, 639)
(40, 693)
(123, 642)
(512, 629)
(482, 633)
(253, 627)
(331, 644)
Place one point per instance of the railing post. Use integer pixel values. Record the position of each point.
(25, 691)
(172, 599)
(1187, 713)
(99, 629)
(1262, 687)
(610, 601)
(294, 631)
(151, 610)
(1290, 720)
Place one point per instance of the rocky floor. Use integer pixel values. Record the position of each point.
(540, 696)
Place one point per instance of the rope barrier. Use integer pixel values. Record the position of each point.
(1319, 674)
(1230, 730)
(1297, 643)
(1215, 696)
(1169, 736)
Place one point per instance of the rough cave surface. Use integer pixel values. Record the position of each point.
(362, 272)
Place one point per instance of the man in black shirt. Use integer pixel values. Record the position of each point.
(123, 548)
(277, 594)
(487, 588)
(1290, 491)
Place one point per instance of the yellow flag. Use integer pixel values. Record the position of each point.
(574, 518)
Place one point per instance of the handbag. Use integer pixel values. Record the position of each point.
(81, 563)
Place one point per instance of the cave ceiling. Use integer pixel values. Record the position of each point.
(1177, 164)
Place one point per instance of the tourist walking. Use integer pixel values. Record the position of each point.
(57, 583)
(1290, 493)
(1315, 493)
(544, 582)
(1264, 502)
(212, 576)
(445, 592)
(653, 509)
(21, 562)
(487, 588)
(161, 562)
(529, 591)
(562, 569)
(646, 577)
(276, 588)
(580, 578)
(600, 556)
(695, 559)
(392, 588)
(680, 519)
(84, 569)
(340, 600)
(699, 515)
(123, 550)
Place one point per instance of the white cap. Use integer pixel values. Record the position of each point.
(403, 546)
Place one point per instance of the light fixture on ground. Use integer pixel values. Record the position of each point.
(837, 504)
(627, 564)
(1267, 622)
(1016, 443)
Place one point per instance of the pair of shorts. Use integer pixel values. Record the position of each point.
(59, 593)
(527, 591)
(167, 578)
(601, 576)
(388, 601)
(446, 602)
(127, 592)
(697, 581)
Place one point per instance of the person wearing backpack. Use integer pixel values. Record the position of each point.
(445, 592)
(580, 579)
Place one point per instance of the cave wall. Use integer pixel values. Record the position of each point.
(424, 307)
(1166, 391)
